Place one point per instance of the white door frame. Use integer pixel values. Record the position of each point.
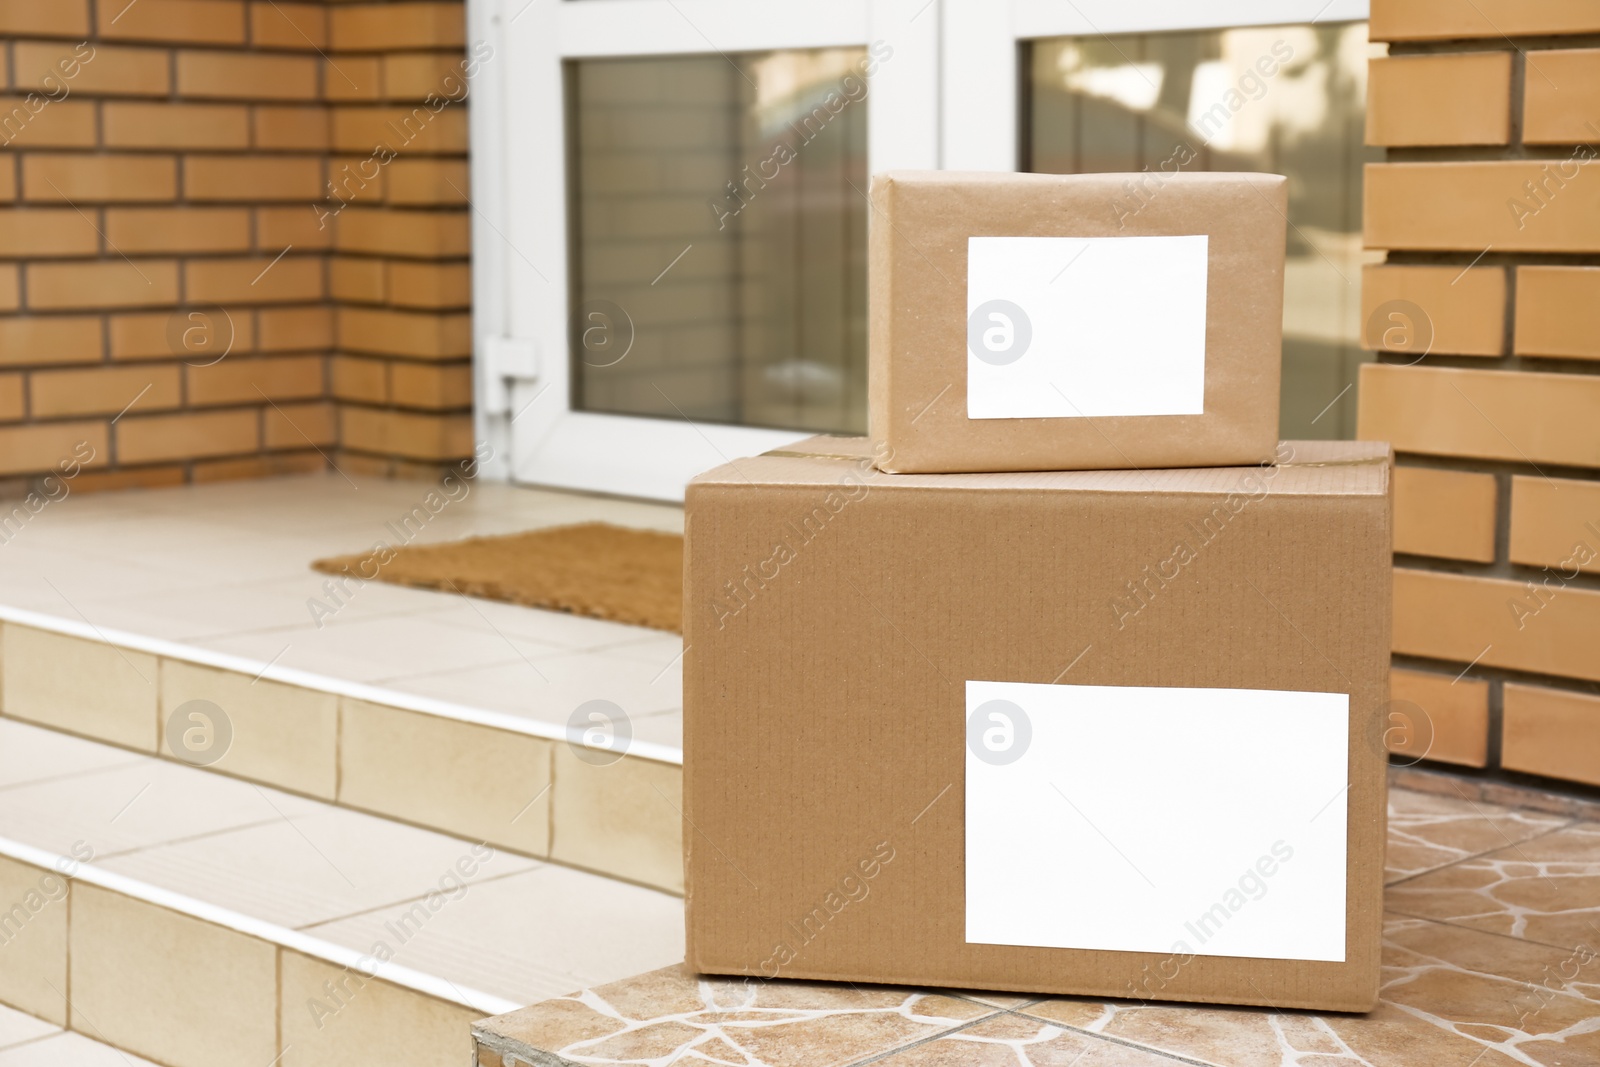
(947, 98)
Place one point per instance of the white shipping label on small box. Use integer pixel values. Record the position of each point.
(1206, 822)
(1072, 327)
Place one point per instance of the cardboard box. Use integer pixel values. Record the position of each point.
(1189, 804)
(1075, 322)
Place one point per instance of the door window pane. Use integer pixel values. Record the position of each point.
(1287, 99)
(719, 221)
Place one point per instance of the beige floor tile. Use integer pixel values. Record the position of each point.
(280, 734)
(552, 687)
(528, 936)
(1429, 830)
(135, 806)
(33, 940)
(367, 650)
(32, 754)
(335, 1017)
(624, 818)
(83, 686)
(69, 1050)
(315, 866)
(168, 986)
(574, 633)
(485, 784)
(18, 1026)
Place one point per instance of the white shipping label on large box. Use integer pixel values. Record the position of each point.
(1205, 822)
(1071, 327)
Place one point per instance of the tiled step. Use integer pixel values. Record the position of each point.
(520, 783)
(29, 1042)
(198, 920)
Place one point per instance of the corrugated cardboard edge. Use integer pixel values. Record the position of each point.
(880, 269)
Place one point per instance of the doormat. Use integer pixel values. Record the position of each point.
(593, 568)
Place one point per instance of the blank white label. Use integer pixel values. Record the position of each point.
(1206, 822)
(1072, 327)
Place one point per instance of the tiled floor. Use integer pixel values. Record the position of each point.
(1491, 959)
(29, 1042)
(514, 927)
(227, 567)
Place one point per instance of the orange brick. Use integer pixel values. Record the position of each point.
(1444, 513)
(106, 179)
(245, 178)
(196, 335)
(287, 25)
(242, 76)
(354, 179)
(191, 435)
(234, 381)
(391, 27)
(104, 390)
(29, 449)
(129, 478)
(1509, 415)
(52, 339)
(393, 232)
(1517, 625)
(10, 294)
(357, 280)
(1456, 98)
(269, 466)
(110, 284)
(428, 181)
(300, 425)
(47, 231)
(404, 130)
(8, 183)
(1558, 312)
(94, 69)
(364, 380)
(288, 126)
(294, 329)
(351, 78)
(1551, 732)
(257, 280)
(408, 434)
(32, 18)
(430, 386)
(430, 285)
(1513, 205)
(1555, 522)
(35, 121)
(1561, 96)
(1423, 20)
(11, 401)
(177, 21)
(404, 333)
(178, 229)
(299, 226)
(416, 75)
(1462, 312)
(167, 125)
(1434, 716)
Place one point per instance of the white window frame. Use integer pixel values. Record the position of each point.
(948, 98)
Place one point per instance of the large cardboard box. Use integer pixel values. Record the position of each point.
(1113, 732)
(1075, 322)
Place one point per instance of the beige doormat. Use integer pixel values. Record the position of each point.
(594, 568)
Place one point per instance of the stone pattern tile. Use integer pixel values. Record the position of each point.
(1491, 959)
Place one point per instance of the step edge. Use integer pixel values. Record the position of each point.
(343, 687)
(74, 870)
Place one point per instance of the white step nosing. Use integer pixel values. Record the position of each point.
(294, 940)
(205, 657)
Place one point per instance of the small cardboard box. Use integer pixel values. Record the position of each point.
(1114, 732)
(1075, 322)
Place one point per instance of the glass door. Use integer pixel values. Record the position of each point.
(684, 186)
(671, 211)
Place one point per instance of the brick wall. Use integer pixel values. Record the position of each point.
(1487, 317)
(164, 200)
